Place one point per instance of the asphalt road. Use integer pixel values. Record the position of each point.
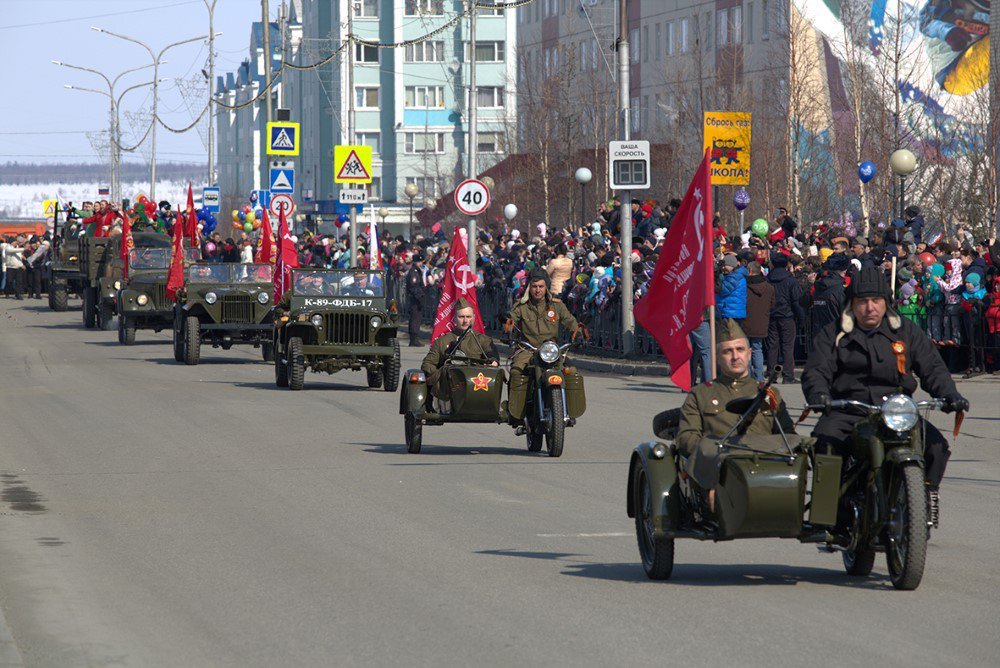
(153, 514)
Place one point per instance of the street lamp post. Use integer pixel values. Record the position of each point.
(156, 76)
(903, 163)
(411, 190)
(583, 177)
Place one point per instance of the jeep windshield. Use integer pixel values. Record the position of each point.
(337, 284)
(208, 273)
(149, 258)
(252, 273)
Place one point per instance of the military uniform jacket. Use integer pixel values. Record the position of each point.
(540, 322)
(474, 345)
(704, 412)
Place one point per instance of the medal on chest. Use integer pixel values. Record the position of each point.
(899, 350)
(551, 315)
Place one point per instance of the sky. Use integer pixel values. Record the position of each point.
(41, 121)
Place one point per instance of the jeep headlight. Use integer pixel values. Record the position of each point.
(376, 321)
(549, 352)
(316, 320)
(899, 413)
(118, 285)
(211, 297)
(142, 300)
(262, 297)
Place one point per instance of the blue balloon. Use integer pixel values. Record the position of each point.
(866, 172)
(344, 218)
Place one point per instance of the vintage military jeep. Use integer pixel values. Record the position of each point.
(111, 274)
(64, 270)
(224, 304)
(142, 300)
(336, 319)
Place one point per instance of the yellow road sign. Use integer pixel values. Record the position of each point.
(727, 137)
(283, 138)
(352, 164)
(49, 207)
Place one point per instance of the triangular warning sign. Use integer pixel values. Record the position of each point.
(50, 208)
(283, 141)
(281, 182)
(353, 168)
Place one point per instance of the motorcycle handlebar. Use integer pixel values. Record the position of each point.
(835, 404)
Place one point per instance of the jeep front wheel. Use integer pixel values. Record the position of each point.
(296, 364)
(192, 340)
(126, 331)
(390, 369)
(280, 369)
(267, 351)
(58, 295)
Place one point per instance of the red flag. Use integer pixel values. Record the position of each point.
(459, 281)
(175, 277)
(127, 244)
(191, 230)
(265, 245)
(288, 259)
(683, 284)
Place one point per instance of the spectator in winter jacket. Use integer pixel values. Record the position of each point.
(732, 293)
(828, 295)
(786, 311)
(760, 301)
(915, 222)
(973, 264)
(951, 288)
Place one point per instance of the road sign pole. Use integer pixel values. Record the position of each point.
(625, 217)
(472, 243)
(353, 235)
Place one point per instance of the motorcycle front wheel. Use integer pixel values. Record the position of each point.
(557, 424)
(657, 553)
(906, 533)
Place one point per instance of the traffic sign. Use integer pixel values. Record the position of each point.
(282, 202)
(352, 164)
(260, 197)
(283, 138)
(282, 180)
(210, 199)
(628, 165)
(472, 197)
(49, 207)
(727, 138)
(354, 196)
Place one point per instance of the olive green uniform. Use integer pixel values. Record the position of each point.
(704, 415)
(538, 323)
(474, 345)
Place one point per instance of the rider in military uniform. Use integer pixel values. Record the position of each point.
(461, 337)
(537, 316)
(704, 415)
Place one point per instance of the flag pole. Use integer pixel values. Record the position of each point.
(711, 336)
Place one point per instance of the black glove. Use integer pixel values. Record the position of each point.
(955, 402)
(958, 39)
(822, 400)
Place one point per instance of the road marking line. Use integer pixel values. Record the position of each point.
(583, 535)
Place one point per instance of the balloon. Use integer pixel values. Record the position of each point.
(741, 199)
(343, 218)
(209, 247)
(760, 227)
(248, 227)
(243, 217)
(866, 172)
(251, 217)
(150, 208)
(237, 224)
(928, 258)
(257, 224)
(236, 214)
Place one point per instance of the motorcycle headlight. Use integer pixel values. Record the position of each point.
(263, 297)
(118, 285)
(211, 297)
(376, 321)
(142, 300)
(316, 320)
(549, 352)
(899, 413)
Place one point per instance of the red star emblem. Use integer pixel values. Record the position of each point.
(481, 382)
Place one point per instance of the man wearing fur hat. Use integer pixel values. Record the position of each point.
(704, 414)
(870, 353)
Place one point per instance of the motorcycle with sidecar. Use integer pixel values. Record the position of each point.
(872, 500)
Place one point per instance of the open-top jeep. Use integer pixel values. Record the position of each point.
(333, 319)
(224, 304)
(142, 300)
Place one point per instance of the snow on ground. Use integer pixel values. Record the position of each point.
(25, 201)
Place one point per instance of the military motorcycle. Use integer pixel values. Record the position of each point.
(780, 486)
(476, 388)
(548, 397)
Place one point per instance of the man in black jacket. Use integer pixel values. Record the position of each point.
(828, 296)
(786, 311)
(861, 358)
(416, 293)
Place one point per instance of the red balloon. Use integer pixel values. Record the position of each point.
(928, 258)
(150, 208)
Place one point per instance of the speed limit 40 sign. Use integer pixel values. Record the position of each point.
(472, 197)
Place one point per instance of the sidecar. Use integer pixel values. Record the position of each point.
(475, 390)
(768, 487)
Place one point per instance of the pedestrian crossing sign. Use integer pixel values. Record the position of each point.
(352, 164)
(283, 138)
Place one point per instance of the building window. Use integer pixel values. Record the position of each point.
(645, 44)
(684, 39)
(366, 97)
(668, 38)
(736, 25)
(365, 54)
(636, 113)
(427, 186)
(373, 139)
(487, 52)
(722, 28)
(425, 52)
(633, 47)
(375, 188)
(367, 9)
(489, 97)
(708, 31)
(765, 31)
(490, 142)
(659, 41)
(424, 142)
(424, 97)
(424, 8)
(749, 23)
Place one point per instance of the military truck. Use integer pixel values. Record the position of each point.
(142, 300)
(64, 268)
(92, 258)
(332, 319)
(224, 304)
